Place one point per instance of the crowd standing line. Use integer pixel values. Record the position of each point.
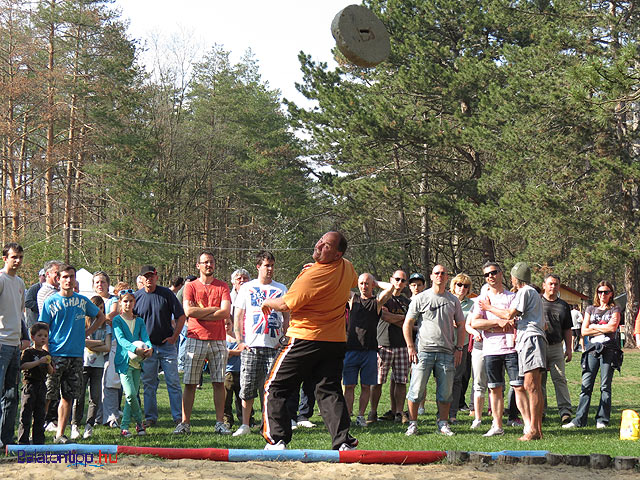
(260, 339)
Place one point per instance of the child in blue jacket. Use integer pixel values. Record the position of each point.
(127, 329)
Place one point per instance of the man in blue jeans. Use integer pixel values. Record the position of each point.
(11, 306)
(156, 305)
(439, 313)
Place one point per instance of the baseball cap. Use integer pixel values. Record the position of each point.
(147, 269)
(417, 276)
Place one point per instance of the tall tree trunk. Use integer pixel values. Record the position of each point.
(402, 219)
(632, 288)
(425, 239)
(50, 160)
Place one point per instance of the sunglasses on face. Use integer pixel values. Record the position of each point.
(122, 293)
(462, 285)
(439, 273)
(604, 292)
(401, 280)
(492, 273)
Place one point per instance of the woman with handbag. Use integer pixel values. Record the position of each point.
(602, 352)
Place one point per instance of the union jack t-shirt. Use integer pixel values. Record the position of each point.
(260, 330)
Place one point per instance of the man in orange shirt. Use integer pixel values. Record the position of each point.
(317, 345)
(207, 303)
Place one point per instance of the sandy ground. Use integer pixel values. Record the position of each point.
(149, 468)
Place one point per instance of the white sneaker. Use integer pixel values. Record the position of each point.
(571, 424)
(345, 447)
(361, 421)
(51, 427)
(294, 424)
(412, 429)
(242, 430)
(88, 431)
(306, 424)
(276, 446)
(443, 429)
(493, 431)
(601, 425)
(475, 424)
(75, 433)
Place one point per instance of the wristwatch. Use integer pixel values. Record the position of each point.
(459, 348)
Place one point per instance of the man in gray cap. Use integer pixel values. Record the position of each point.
(525, 314)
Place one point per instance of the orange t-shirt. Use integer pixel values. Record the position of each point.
(636, 329)
(317, 301)
(210, 295)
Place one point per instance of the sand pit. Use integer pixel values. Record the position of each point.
(151, 468)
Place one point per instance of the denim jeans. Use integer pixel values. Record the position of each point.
(590, 366)
(442, 366)
(9, 370)
(495, 366)
(167, 356)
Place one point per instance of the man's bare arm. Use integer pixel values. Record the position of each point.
(384, 296)
(393, 318)
(100, 319)
(277, 304)
(238, 321)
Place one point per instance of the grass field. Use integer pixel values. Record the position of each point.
(390, 436)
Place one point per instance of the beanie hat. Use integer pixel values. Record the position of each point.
(522, 272)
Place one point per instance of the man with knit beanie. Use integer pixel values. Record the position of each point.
(525, 314)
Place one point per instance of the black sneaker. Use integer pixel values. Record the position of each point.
(388, 416)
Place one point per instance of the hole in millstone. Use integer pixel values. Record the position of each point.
(366, 34)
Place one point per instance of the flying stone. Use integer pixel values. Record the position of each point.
(361, 36)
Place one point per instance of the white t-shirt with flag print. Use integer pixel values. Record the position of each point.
(260, 330)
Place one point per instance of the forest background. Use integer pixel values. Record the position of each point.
(497, 130)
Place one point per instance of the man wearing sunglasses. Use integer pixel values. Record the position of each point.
(438, 311)
(498, 345)
(392, 352)
(531, 345)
